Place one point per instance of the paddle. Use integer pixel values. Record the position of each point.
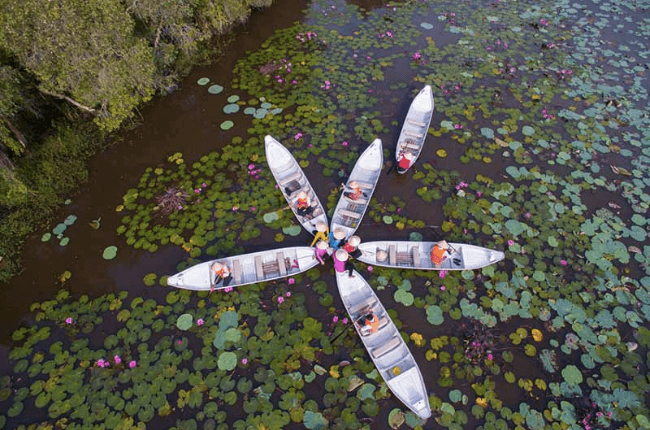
(345, 330)
(439, 236)
(277, 210)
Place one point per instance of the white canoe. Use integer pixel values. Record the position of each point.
(248, 268)
(415, 128)
(349, 213)
(417, 255)
(291, 181)
(386, 347)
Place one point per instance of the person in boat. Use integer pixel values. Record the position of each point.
(303, 205)
(353, 191)
(221, 272)
(381, 256)
(405, 161)
(321, 251)
(368, 323)
(342, 262)
(439, 252)
(322, 233)
(352, 246)
(336, 238)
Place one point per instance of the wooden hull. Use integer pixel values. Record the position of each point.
(290, 178)
(417, 255)
(386, 347)
(248, 268)
(349, 213)
(415, 128)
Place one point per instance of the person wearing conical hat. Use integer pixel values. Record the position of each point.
(220, 272)
(353, 190)
(321, 251)
(405, 161)
(336, 238)
(381, 256)
(322, 233)
(352, 246)
(342, 262)
(439, 252)
(303, 205)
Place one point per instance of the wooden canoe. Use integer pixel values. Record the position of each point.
(386, 347)
(292, 180)
(415, 128)
(417, 255)
(349, 213)
(248, 268)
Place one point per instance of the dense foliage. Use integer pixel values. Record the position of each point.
(88, 65)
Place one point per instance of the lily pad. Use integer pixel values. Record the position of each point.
(227, 361)
(215, 89)
(227, 125)
(110, 252)
(184, 322)
(203, 81)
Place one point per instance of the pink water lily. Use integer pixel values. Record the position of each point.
(200, 322)
(117, 359)
(288, 294)
(132, 364)
(335, 319)
(511, 242)
(291, 281)
(280, 299)
(68, 320)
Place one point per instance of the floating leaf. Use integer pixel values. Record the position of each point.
(572, 375)
(434, 315)
(270, 217)
(441, 153)
(184, 322)
(70, 219)
(314, 420)
(233, 99)
(227, 125)
(203, 81)
(231, 108)
(387, 219)
(215, 89)
(46, 237)
(110, 252)
(426, 25)
(227, 361)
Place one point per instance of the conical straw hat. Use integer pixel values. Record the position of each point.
(322, 244)
(339, 234)
(302, 195)
(354, 240)
(353, 184)
(341, 255)
(216, 266)
(321, 226)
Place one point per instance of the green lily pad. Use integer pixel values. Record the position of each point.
(184, 322)
(110, 252)
(215, 89)
(203, 81)
(46, 237)
(415, 236)
(270, 217)
(572, 375)
(233, 99)
(227, 361)
(426, 25)
(434, 315)
(231, 108)
(59, 229)
(387, 219)
(227, 125)
(314, 420)
(293, 230)
(70, 219)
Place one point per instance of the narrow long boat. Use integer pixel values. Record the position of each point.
(348, 213)
(291, 181)
(247, 268)
(414, 131)
(417, 255)
(386, 347)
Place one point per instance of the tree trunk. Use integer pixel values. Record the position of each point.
(19, 136)
(74, 102)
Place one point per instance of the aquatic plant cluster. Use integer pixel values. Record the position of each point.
(545, 116)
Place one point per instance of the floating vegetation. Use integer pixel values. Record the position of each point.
(555, 337)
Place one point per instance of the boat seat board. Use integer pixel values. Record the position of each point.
(293, 177)
(413, 133)
(393, 343)
(351, 214)
(411, 146)
(281, 266)
(392, 254)
(414, 122)
(365, 185)
(258, 267)
(356, 308)
(358, 201)
(415, 254)
(236, 271)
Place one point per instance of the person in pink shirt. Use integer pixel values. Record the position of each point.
(321, 251)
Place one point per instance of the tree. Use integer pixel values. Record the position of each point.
(84, 52)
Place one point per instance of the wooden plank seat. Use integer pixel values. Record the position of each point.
(364, 305)
(365, 185)
(415, 255)
(413, 133)
(391, 344)
(404, 258)
(392, 254)
(293, 177)
(258, 267)
(281, 264)
(418, 123)
(359, 201)
(411, 146)
(348, 213)
(236, 271)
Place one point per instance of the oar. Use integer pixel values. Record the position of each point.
(278, 210)
(433, 229)
(345, 330)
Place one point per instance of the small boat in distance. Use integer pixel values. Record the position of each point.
(292, 181)
(417, 255)
(414, 131)
(247, 269)
(385, 346)
(349, 211)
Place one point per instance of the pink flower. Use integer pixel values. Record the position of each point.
(200, 321)
(490, 357)
(335, 319)
(252, 208)
(370, 269)
(479, 194)
(345, 321)
(345, 143)
(227, 289)
(196, 191)
(528, 215)
(297, 136)
(68, 320)
(101, 362)
(294, 82)
(132, 364)
(442, 274)
(291, 281)
(511, 242)
(417, 55)
(235, 208)
(204, 185)
(117, 359)
(288, 294)
(563, 262)
(251, 166)
(609, 414)
(179, 342)
(244, 361)
(443, 288)
(280, 299)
